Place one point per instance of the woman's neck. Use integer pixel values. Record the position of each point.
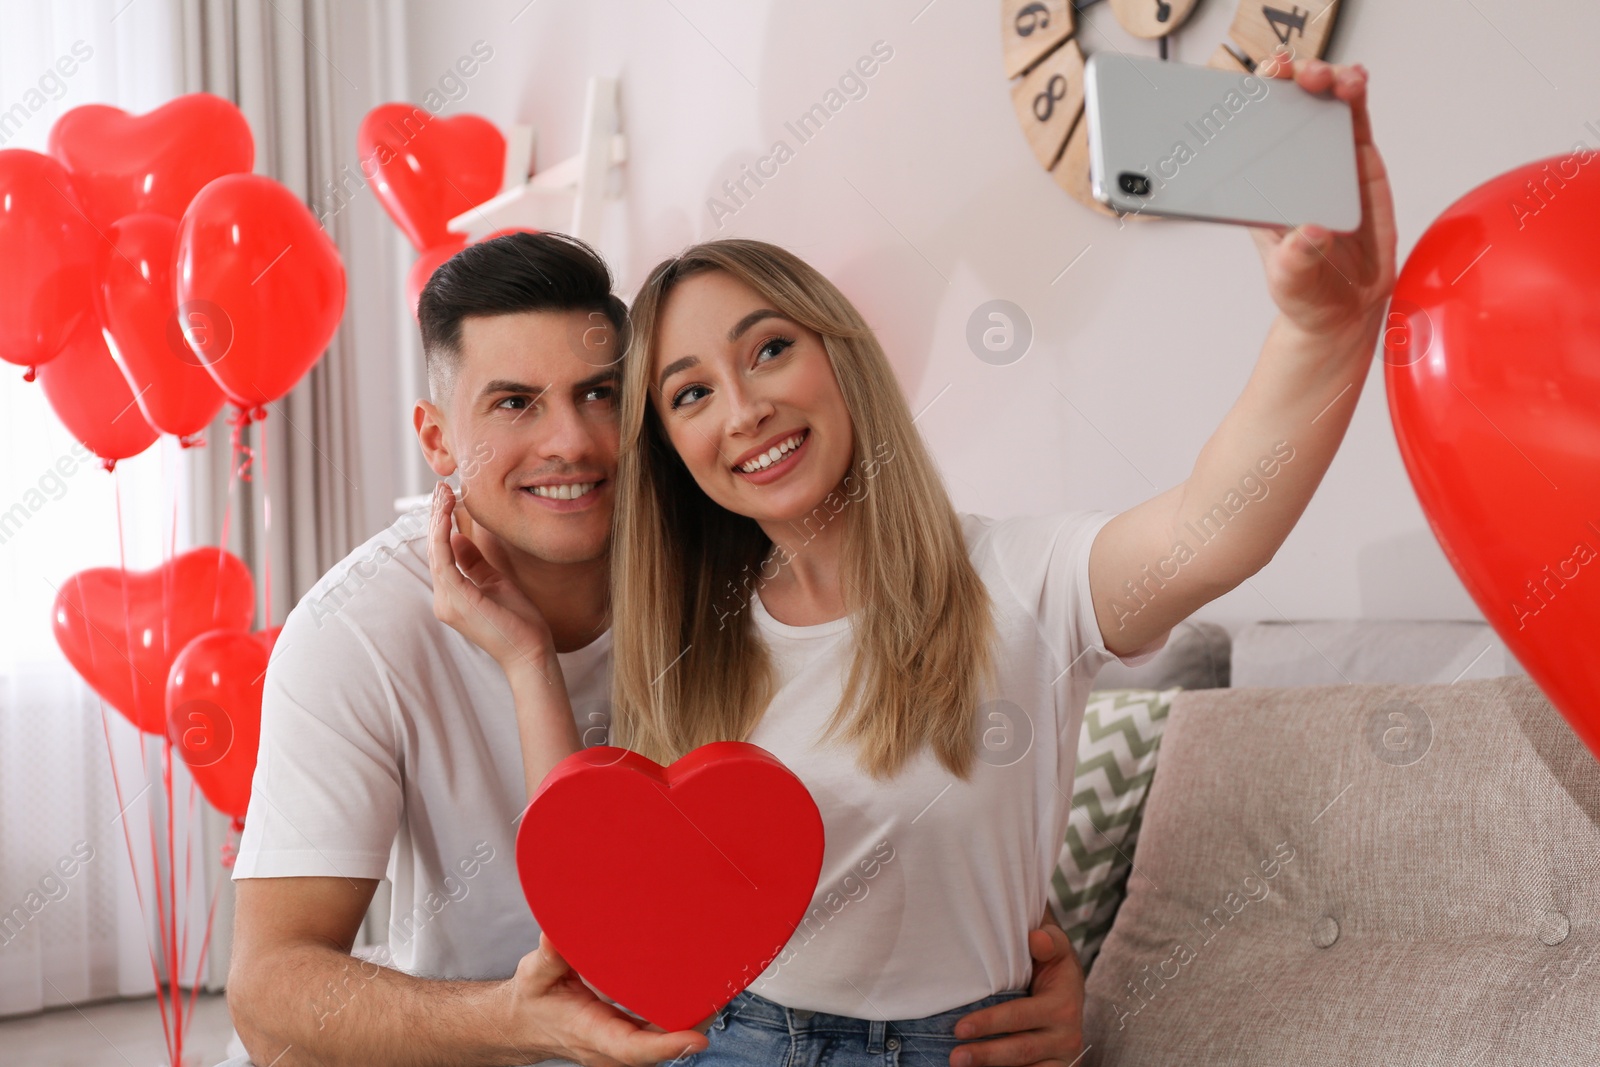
(808, 586)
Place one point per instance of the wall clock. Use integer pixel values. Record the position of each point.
(1044, 60)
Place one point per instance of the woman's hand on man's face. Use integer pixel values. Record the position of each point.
(478, 600)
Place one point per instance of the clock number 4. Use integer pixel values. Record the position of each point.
(1285, 23)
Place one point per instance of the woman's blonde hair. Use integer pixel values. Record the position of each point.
(689, 668)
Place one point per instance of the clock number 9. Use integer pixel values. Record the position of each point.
(1033, 17)
(1044, 105)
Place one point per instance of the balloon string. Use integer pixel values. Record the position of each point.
(127, 841)
(174, 911)
(242, 453)
(211, 913)
(188, 874)
(227, 509)
(266, 528)
(131, 641)
(174, 963)
(161, 901)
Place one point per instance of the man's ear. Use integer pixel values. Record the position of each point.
(429, 423)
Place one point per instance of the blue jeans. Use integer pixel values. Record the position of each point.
(754, 1032)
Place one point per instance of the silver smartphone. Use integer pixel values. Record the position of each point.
(1200, 143)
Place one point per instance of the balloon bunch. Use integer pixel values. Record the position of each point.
(163, 277)
(158, 280)
(171, 649)
(427, 170)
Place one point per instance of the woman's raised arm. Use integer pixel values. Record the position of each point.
(1255, 476)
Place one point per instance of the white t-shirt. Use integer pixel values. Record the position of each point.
(389, 747)
(930, 884)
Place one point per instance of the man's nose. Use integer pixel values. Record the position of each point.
(566, 435)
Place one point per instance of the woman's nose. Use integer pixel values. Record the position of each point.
(746, 410)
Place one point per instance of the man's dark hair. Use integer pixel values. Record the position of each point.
(516, 272)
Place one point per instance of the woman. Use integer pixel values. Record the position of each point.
(788, 570)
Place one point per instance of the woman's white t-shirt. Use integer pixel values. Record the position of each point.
(930, 884)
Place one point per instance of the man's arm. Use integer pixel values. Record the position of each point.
(297, 996)
(1046, 1027)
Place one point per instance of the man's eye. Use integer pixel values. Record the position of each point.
(519, 401)
(604, 392)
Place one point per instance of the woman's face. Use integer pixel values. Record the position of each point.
(734, 381)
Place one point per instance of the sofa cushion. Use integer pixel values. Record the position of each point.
(1117, 747)
(1359, 875)
(1367, 651)
(1195, 657)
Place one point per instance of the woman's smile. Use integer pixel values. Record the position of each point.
(774, 460)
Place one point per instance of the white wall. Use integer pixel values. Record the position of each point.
(922, 201)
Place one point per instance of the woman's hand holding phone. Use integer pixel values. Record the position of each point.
(1326, 282)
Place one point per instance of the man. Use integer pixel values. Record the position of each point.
(389, 743)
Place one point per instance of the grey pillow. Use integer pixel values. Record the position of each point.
(1364, 651)
(1196, 656)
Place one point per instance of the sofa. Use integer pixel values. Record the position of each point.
(1356, 843)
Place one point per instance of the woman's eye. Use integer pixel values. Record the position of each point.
(775, 346)
(679, 397)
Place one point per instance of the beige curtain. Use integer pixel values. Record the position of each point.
(271, 59)
(304, 72)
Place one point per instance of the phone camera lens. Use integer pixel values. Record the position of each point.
(1133, 184)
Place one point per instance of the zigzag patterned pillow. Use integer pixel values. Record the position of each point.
(1117, 749)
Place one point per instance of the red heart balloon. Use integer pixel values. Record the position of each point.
(155, 162)
(214, 712)
(1493, 353)
(122, 629)
(139, 309)
(427, 170)
(92, 398)
(421, 270)
(260, 286)
(672, 889)
(49, 249)
(434, 258)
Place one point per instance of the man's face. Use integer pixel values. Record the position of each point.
(531, 425)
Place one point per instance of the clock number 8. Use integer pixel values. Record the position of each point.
(1033, 17)
(1044, 105)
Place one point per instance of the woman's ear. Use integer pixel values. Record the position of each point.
(429, 423)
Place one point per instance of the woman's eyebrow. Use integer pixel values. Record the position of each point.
(673, 368)
(750, 320)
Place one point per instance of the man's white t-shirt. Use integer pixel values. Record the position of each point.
(389, 748)
(930, 884)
